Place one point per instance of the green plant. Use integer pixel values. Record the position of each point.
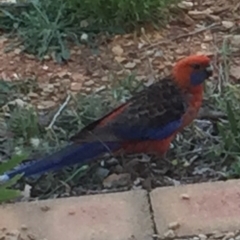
(125, 13)
(44, 27)
(7, 194)
(225, 96)
(4, 94)
(50, 26)
(24, 123)
(227, 147)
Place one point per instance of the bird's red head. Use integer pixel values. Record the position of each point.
(192, 71)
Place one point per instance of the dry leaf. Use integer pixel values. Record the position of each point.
(200, 14)
(117, 180)
(17, 51)
(208, 38)
(76, 86)
(89, 83)
(185, 5)
(63, 74)
(77, 76)
(120, 59)
(46, 104)
(235, 72)
(45, 67)
(117, 50)
(215, 18)
(228, 24)
(49, 88)
(26, 193)
(130, 65)
(33, 95)
(236, 41)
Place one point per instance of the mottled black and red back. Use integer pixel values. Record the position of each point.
(152, 114)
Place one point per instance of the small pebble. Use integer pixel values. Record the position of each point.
(13, 233)
(173, 225)
(31, 236)
(24, 227)
(71, 212)
(112, 162)
(84, 37)
(169, 234)
(237, 237)
(2, 237)
(185, 5)
(102, 173)
(228, 24)
(45, 208)
(217, 235)
(195, 238)
(185, 196)
(202, 236)
(229, 235)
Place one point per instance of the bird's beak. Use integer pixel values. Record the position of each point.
(209, 70)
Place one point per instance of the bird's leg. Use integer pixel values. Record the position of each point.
(162, 163)
(164, 157)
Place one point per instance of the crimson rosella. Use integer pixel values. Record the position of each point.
(146, 123)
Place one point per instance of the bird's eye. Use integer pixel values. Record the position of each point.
(196, 66)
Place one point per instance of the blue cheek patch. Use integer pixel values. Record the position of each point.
(198, 77)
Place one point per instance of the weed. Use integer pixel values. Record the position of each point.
(225, 145)
(24, 123)
(51, 26)
(45, 27)
(228, 146)
(121, 12)
(7, 194)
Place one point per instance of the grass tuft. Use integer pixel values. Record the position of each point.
(7, 194)
(51, 26)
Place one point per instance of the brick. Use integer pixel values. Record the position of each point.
(211, 207)
(113, 216)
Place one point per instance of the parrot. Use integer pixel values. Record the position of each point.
(145, 123)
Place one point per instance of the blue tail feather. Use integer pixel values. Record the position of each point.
(67, 156)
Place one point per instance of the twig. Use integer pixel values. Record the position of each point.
(144, 34)
(14, 5)
(59, 112)
(200, 30)
(211, 115)
(151, 76)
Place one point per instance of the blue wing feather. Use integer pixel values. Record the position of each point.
(71, 154)
(138, 133)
